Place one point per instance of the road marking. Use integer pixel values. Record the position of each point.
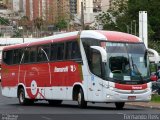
(47, 118)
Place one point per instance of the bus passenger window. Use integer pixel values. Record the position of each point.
(33, 51)
(96, 63)
(8, 57)
(72, 50)
(43, 53)
(21, 51)
(68, 50)
(75, 51)
(26, 56)
(53, 52)
(46, 51)
(60, 51)
(16, 59)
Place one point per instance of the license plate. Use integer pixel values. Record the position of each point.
(131, 97)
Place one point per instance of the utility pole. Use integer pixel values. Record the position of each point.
(82, 16)
(143, 27)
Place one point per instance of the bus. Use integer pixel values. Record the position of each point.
(83, 66)
(1, 48)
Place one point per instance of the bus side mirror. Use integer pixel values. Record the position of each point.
(102, 51)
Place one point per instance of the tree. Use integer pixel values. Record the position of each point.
(4, 21)
(113, 17)
(62, 24)
(38, 22)
(123, 13)
(17, 34)
(24, 21)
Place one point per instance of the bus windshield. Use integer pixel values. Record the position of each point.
(126, 61)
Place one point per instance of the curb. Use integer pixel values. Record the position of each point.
(144, 105)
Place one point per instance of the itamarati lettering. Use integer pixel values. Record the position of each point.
(62, 69)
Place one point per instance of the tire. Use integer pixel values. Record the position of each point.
(119, 105)
(55, 102)
(80, 98)
(22, 99)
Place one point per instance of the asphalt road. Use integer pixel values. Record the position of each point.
(11, 110)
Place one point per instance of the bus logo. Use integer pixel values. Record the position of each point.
(62, 69)
(65, 69)
(136, 87)
(73, 68)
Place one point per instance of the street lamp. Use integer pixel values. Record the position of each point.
(135, 27)
(21, 28)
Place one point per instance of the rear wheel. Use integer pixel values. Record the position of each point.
(22, 99)
(55, 102)
(81, 102)
(119, 105)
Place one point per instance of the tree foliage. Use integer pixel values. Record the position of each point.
(24, 21)
(123, 15)
(4, 21)
(38, 22)
(62, 24)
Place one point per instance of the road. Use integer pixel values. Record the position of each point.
(10, 108)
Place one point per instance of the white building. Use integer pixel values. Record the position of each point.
(87, 9)
(16, 5)
(105, 5)
(91, 9)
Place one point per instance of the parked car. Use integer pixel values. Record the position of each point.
(154, 76)
(156, 86)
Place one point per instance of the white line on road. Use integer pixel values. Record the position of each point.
(47, 118)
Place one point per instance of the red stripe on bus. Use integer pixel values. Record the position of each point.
(130, 87)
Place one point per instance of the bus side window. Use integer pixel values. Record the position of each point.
(53, 55)
(8, 57)
(26, 56)
(75, 50)
(68, 50)
(43, 53)
(46, 51)
(60, 51)
(96, 63)
(20, 53)
(16, 59)
(72, 50)
(32, 54)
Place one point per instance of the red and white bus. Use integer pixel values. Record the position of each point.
(86, 66)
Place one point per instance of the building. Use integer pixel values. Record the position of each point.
(16, 5)
(50, 10)
(63, 7)
(73, 6)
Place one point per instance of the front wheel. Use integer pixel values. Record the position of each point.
(81, 102)
(22, 99)
(119, 105)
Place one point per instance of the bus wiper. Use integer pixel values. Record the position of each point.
(135, 71)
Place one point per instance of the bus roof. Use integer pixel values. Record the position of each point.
(95, 34)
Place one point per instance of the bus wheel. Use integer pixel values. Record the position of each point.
(22, 99)
(81, 102)
(119, 105)
(55, 102)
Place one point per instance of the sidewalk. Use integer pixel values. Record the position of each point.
(153, 105)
